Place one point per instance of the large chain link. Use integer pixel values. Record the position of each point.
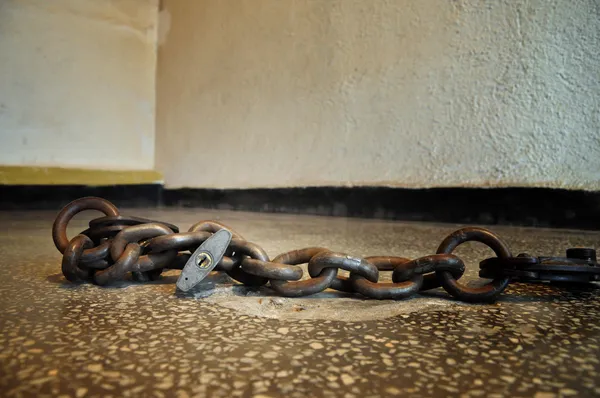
(116, 245)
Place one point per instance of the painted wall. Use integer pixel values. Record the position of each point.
(270, 93)
(77, 83)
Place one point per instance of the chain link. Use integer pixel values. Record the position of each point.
(116, 245)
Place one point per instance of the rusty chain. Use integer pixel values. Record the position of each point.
(116, 245)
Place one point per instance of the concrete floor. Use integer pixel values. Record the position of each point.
(223, 340)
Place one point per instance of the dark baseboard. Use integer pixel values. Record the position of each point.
(540, 207)
(54, 197)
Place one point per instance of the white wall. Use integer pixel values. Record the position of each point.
(270, 93)
(77, 83)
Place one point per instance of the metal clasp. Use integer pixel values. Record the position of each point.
(579, 266)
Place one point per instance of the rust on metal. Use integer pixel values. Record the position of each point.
(114, 246)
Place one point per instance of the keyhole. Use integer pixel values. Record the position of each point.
(203, 260)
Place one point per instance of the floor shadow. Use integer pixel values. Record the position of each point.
(63, 283)
(542, 292)
(548, 292)
(207, 286)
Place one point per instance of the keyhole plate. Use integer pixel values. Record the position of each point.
(204, 260)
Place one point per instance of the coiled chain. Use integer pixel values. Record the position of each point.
(115, 245)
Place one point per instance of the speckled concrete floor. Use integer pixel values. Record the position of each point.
(222, 340)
